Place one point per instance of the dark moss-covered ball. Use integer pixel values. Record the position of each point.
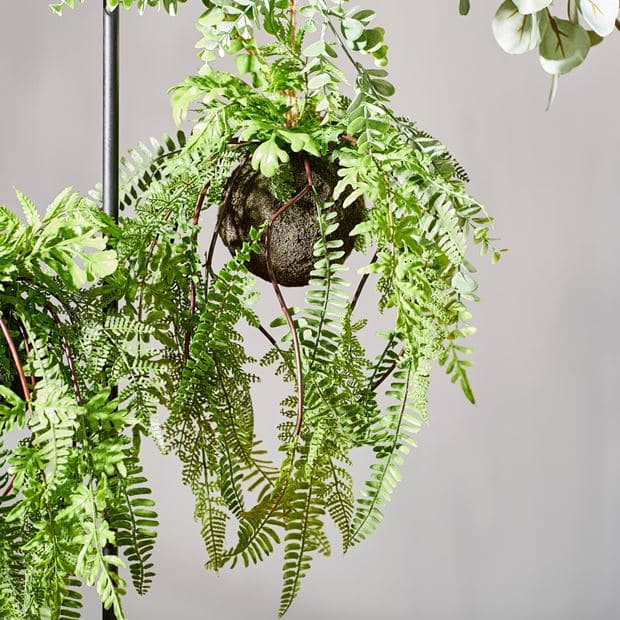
(251, 198)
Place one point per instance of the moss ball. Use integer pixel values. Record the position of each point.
(250, 199)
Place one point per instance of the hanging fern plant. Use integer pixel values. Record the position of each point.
(300, 175)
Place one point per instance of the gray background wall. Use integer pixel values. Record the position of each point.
(508, 510)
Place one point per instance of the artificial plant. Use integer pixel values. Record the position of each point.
(283, 148)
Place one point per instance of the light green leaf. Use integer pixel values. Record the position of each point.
(564, 46)
(180, 99)
(318, 81)
(352, 29)
(463, 283)
(316, 49)
(268, 157)
(300, 142)
(101, 264)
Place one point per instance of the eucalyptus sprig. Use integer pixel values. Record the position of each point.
(562, 43)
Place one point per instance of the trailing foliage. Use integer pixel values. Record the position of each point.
(71, 468)
(105, 326)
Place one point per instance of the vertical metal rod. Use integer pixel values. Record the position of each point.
(110, 147)
(110, 110)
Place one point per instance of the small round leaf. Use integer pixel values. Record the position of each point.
(514, 32)
(600, 15)
(564, 46)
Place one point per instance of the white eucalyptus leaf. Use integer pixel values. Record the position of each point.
(527, 7)
(600, 15)
(515, 33)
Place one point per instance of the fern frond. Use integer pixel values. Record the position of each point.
(448, 230)
(133, 518)
(71, 607)
(304, 535)
(398, 428)
(339, 499)
(212, 514)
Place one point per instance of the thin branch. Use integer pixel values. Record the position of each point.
(16, 361)
(192, 293)
(68, 355)
(283, 305)
(9, 486)
(22, 332)
(388, 372)
(362, 284)
(22, 379)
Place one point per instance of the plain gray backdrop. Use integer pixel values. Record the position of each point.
(508, 510)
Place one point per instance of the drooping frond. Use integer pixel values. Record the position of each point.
(135, 522)
(142, 166)
(397, 430)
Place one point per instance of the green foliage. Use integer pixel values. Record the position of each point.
(134, 520)
(74, 464)
(111, 323)
(170, 6)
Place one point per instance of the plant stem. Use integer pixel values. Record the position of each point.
(16, 361)
(292, 116)
(283, 305)
(22, 379)
(362, 284)
(192, 293)
(69, 356)
(388, 372)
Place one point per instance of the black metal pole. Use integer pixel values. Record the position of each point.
(110, 110)
(110, 147)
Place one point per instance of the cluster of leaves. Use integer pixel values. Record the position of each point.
(520, 26)
(170, 6)
(100, 371)
(71, 482)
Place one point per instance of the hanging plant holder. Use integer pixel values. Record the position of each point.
(304, 183)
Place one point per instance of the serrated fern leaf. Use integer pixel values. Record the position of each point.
(304, 535)
(398, 428)
(135, 522)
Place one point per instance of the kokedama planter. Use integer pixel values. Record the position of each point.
(250, 199)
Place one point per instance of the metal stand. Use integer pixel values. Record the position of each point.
(110, 146)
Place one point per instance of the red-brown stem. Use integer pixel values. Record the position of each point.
(18, 365)
(22, 332)
(69, 355)
(22, 379)
(192, 286)
(388, 372)
(348, 138)
(220, 215)
(293, 15)
(9, 486)
(284, 307)
(362, 284)
(308, 170)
